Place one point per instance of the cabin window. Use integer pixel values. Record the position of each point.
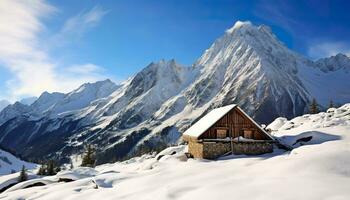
(249, 134)
(221, 133)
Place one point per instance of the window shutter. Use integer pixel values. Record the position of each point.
(221, 133)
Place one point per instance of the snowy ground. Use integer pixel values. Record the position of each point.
(9, 163)
(317, 168)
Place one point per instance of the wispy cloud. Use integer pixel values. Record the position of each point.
(33, 69)
(279, 13)
(326, 49)
(84, 20)
(19, 49)
(85, 69)
(75, 26)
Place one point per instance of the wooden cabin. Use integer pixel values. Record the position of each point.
(227, 130)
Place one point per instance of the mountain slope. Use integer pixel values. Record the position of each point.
(331, 82)
(40, 128)
(10, 164)
(255, 70)
(12, 111)
(3, 104)
(248, 66)
(28, 100)
(313, 170)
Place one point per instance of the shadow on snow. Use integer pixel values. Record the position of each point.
(294, 141)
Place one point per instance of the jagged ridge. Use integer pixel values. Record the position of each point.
(247, 66)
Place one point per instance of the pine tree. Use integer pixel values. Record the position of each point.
(57, 169)
(331, 104)
(23, 175)
(314, 107)
(51, 169)
(89, 157)
(71, 165)
(42, 170)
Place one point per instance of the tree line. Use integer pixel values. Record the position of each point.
(51, 167)
(315, 107)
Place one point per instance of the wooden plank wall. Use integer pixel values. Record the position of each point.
(235, 122)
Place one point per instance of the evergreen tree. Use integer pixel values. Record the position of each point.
(51, 168)
(314, 107)
(331, 104)
(42, 170)
(89, 156)
(58, 169)
(23, 175)
(71, 165)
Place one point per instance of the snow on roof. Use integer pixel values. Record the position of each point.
(208, 120)
(212, 117)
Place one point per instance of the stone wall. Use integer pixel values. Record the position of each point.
(195, 149)
(252, 148)
(212, 150)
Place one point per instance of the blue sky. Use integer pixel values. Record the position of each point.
(56, 45)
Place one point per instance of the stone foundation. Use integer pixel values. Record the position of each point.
(252, 148)
(212, 150)
(195, 149)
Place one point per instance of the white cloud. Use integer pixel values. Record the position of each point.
(71, 77)
(85, 69)
(33, 69)
(326, 49)
(83, 21)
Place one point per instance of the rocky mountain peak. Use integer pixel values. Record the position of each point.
(3, 104)
(247, 66)
(12, 111)
(240, 26)
(334, 63)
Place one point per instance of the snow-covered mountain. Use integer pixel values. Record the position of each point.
(317, 168)
(248, 66)
(334, 63)
(25, 101)
(12, 111)
(11, 164)
(59, 104)
(49, 114)
(3, 104)
(28, 100)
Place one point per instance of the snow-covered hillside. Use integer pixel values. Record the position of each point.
(11, 164)
(317, 168)
(247, 66)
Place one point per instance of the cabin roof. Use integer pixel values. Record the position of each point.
(207, 121)
(212, 117)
